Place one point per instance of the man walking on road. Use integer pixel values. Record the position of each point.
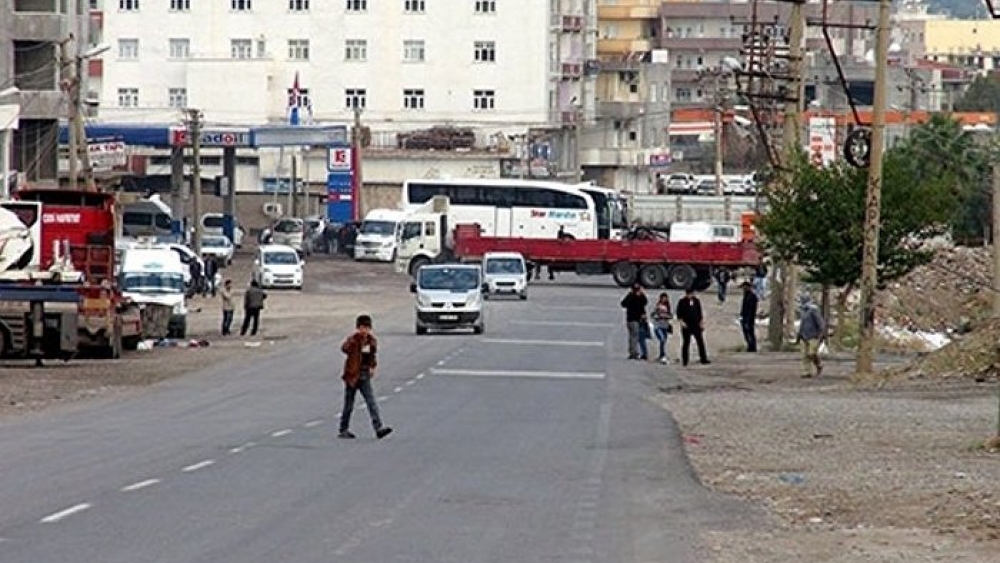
(361, 349)
(634, 304)
(812, 331)
(722, 278)
(226, 293)
(253, 303)
(692, 321)
(748, 316)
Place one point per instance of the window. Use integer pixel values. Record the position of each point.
(413, 50)
(128, 49)
(298, 49)
(357, 5)
(682, 95)
(180, 5)
(241, 5)
(355, 50)
(298, 5)
(501, 196)
(355, 98)
(486, 6)
(484, 51)
(413, 99)
(177, 97)
(180, 48)
(413, 6)
(484, 99)
(241, 48)
(128, 97)
(303, 100)
(128, 5)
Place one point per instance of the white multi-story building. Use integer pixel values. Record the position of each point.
(407, 63)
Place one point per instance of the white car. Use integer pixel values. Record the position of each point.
(218, 246)
(449, 296)
(278, 265)
(214, 223)
(505, 273)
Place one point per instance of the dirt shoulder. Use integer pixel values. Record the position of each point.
(336, 290)
(849, 473)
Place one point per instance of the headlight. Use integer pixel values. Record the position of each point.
(472, 299)
(423, 301)
(179, 309)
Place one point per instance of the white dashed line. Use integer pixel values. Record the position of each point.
(280, 433)
(313, 423)
(53, 518)
(397, 389)
(421, 375)
(411, 382)
(140, 485)
(543, 342)
(383, 398)
(441, 362)
(526, 374)
(199, 465)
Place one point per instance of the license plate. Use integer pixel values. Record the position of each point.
(449, 317)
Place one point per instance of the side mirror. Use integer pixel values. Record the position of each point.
(413, 287)
(485, 287)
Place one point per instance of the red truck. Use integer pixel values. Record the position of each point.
(85, 222)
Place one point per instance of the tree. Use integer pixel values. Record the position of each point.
(983, 95)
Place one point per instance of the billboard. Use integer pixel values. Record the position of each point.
(822, 147)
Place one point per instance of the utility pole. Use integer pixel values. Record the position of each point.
(72, 85)
(873, 196)
(996, 240)
(293, 189)
(578, 141)
(780, 316)
(719, 108)
(356, 147)
(194, 135)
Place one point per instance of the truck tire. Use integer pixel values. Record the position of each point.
(703, 281)
(652, 276)
(624, 273)
(416, 263)
(681, 276)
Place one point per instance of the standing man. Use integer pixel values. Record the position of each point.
(253, 303)
(361, 349)
(748, 316)
(760, 281)
(634, 304)
(812, 331)
(211, 268)
(227, 307)
(195, 268)
(722, 278)
(692, 326)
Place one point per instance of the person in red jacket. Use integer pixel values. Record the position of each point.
(361, 349)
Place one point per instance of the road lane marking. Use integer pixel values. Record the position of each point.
(397, 389)
(240, 449)
(573, 308)
(441, 362)
(564, 323)
(57, 516)
(140, 485)
(410, 382)
(421, 375)
(383, 398)
(280, 433)
(543, 342)
(199, 465)
(313, 423)
(512, 373)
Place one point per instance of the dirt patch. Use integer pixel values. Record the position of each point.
(336, 289)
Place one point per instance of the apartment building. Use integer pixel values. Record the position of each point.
(405, 63)
(30, 74)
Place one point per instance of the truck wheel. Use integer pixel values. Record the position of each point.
(703, 281)
(624, 273)
(652, 276)
(681, 276)
(417, 263)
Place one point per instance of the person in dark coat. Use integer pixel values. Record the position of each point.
(361, 349)
(748, 316)
(253, 304)
(211, 269)
(635, 303)
(692, 322)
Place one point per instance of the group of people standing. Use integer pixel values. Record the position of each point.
(253, 304)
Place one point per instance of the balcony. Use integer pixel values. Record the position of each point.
(730, 44)
(570, 71)
(569, 23)
(635, 12)
(619, 110)
(623, 46)
(38, 26)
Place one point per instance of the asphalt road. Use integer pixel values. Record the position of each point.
(534, 442)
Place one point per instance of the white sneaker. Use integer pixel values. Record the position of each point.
(664, 360)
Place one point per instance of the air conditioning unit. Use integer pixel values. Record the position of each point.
(273, 209)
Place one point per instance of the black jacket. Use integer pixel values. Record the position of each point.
(688, 311)
(635, 307)
(748, 309)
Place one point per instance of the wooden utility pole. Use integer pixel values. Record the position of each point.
(72, 85)
(720, 106)
(194, 136)
(780, 316)
(996, 240)
(358, 178)
(873, 197)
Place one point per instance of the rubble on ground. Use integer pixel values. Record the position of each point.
(973, 355)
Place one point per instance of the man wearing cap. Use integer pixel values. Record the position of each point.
(634, 303)
(748, 316)
(812, 330)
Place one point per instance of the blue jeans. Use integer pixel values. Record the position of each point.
(662, 335)
(227, 322)
(760, 286)
(365, 386)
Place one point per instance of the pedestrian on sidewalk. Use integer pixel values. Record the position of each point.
(692, 320)
(361, 349)
(662, 315)
(253, 304)
(812, 332)
(760, 281)
(226, 293)
(634, 303)
(748, 316)
(722, 278)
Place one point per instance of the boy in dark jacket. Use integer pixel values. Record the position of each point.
(361, 349)
(692, 321)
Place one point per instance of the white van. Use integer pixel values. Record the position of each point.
(377, 235)
(505, 273)
(214, 224)
(278, 265)
(698, 231)
(449, 296)
(155, 274)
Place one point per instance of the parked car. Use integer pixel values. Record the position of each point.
(278, 265)
(705, 186)
(292, 232)
(212, 224)
(681, 184)
(218, 246)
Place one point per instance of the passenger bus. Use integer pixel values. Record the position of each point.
(512, 208)
(612, 215)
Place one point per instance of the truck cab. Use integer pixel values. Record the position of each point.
(449, 297)
(153, 275)
(422, 237)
